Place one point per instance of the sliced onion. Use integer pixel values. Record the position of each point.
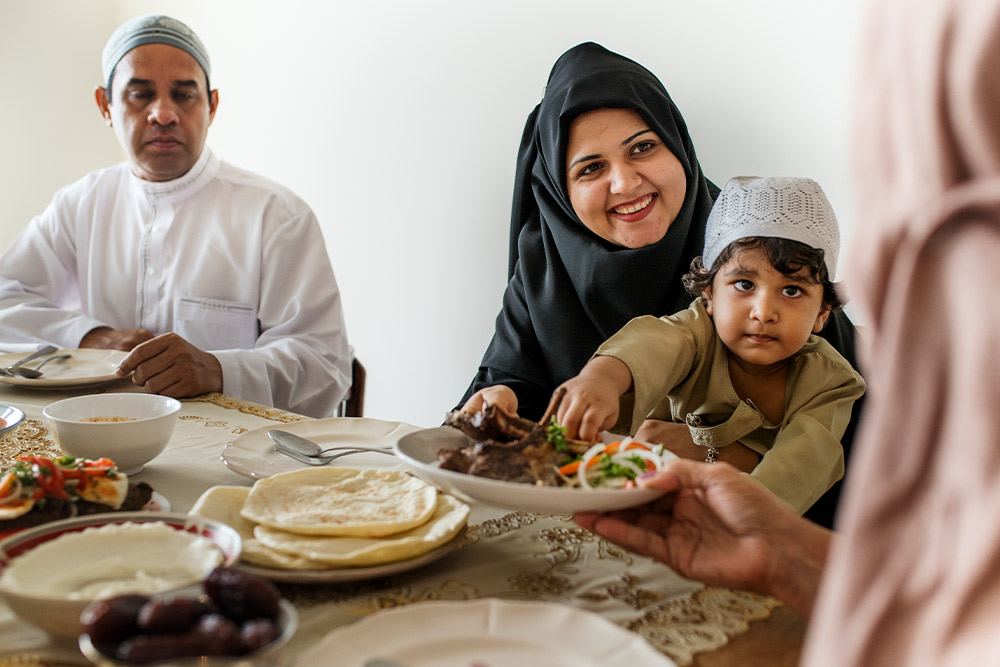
(15, 493)
(652, 457)
(581, 472)
(621, 457)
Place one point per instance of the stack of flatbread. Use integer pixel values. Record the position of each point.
(324, 518)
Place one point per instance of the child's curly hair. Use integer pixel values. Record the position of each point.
(785, 255)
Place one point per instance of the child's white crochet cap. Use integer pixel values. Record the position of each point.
(782, 207)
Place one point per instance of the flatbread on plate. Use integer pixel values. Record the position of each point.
(300, 552)
(341, 501)
(447, 521)
(223, 503)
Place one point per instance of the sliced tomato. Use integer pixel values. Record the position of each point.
(48, 475)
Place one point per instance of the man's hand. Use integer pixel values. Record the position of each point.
(171, 366)
(106, 338)
(677, 439)
(721, 527)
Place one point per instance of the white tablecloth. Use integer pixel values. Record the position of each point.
(513, 555)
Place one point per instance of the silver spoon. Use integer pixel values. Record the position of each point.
(9, 371)
(307, 451)
(307, 447)
(321, 459)
(32, 373)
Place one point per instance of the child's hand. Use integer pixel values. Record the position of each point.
(591, 401)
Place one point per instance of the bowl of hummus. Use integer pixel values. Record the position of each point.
(50, 574)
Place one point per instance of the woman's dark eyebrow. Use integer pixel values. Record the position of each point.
(595, 156)
(582, 158)
(639, 133)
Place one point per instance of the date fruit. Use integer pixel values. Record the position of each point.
(237, 616)
(112, 620)
(241, 595)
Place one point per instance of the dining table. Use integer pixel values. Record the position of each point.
(502, 554)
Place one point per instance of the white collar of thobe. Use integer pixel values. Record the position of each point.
(182, 187)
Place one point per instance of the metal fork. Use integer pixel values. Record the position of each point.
(323, 460)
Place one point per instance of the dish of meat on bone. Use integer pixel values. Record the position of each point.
(506, 461)
(505, 447)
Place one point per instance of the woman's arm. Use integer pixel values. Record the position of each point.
(515, 395)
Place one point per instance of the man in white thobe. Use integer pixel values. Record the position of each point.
(213, 278)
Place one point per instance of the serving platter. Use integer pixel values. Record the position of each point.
(418, 451)
(84, 368)
(489, 631)
(252, 453)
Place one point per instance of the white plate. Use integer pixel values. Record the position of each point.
(252, 454)
(498, 633)
(418, 451)
(347, 574)
(11, 417)
(84, 368)
(162, 501)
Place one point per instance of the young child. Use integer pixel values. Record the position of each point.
(741, 364)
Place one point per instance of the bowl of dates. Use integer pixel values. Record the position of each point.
(236, 618)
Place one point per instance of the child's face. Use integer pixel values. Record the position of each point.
(762, 315)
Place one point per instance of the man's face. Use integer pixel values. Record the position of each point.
(160, 110)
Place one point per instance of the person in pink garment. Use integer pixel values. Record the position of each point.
(913, 575)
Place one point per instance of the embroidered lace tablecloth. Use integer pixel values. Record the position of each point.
(513, 555)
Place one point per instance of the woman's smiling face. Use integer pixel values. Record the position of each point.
(623, 182)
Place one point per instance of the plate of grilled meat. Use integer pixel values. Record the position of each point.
(510, 462)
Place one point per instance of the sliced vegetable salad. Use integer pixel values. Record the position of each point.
(36, 477)
(607, 465)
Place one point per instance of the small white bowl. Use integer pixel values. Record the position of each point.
(28, 590)
(147, 422)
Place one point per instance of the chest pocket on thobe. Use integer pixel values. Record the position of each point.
(216, 324)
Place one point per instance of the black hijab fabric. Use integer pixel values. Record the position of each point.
(570, 289)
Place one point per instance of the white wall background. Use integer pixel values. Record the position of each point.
(398, 121)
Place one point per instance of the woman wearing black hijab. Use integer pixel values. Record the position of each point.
(572, 287)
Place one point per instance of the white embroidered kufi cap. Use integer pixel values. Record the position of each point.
(782, 207)
(152, 29)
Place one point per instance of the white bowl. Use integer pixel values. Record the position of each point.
(149, 421)
(28, 588)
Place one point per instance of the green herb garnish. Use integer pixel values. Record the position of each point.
(612, 469)
(556, 434)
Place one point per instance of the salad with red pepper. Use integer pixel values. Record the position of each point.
(32, 480)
